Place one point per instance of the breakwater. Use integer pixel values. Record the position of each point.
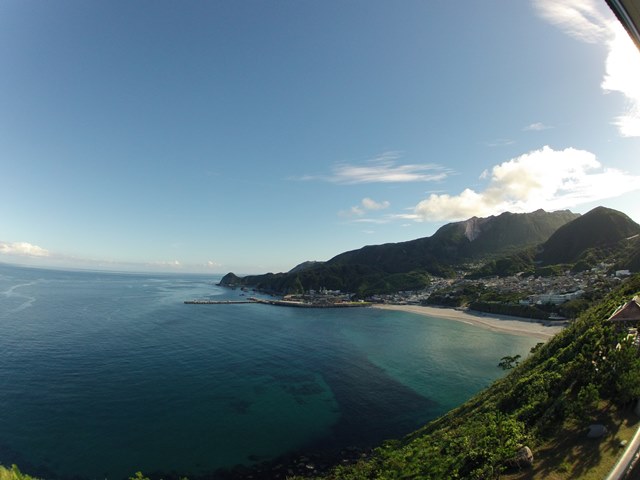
(280, 303)
(216, 302)
(290, 303)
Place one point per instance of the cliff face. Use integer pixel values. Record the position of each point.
(473, 227)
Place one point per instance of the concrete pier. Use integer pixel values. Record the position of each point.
(216, 302)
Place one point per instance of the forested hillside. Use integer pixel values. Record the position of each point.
(392, 267)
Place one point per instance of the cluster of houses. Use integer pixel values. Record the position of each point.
(321, 297)
(531, 289)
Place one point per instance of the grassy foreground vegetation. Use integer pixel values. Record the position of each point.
(13, 473)
(579, 377)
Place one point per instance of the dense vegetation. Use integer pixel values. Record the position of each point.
(565, 382)
(13, 473)
(363, 280)
(598, 228)
(601, 235)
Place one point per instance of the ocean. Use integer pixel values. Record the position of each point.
(105, 374)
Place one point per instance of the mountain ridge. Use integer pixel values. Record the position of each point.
(598, 228)
(408, 265)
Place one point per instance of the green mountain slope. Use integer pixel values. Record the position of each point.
(599, 228)
(602, 235)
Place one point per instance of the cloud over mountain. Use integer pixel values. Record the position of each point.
(545, 178)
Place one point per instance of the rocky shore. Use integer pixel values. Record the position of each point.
(301, 465)
(305, 465)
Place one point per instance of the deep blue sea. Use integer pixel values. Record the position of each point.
(104, 374)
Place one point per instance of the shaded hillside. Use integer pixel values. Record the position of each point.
(460, 241)
(631, 257)
(304, 266)
(602, 235)
(407, 265)
(508, 232)
(599, 228)
(360, 279)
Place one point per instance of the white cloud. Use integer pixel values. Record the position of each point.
(583, 19)
(623, 75)
(366, 204)
(23, 249)
(446, 207)
(355, 210)
(536, 127)
(373, 205)
(545, 178)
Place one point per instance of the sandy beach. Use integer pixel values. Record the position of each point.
(500, 323)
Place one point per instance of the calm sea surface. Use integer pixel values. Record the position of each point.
(105, 374)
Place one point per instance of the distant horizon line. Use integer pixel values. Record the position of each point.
(107, 270)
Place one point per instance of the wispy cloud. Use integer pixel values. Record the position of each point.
(545, 178)
(500, 142)
(384, 168)
(536, 127)
(377, 221)
(23, 249)
(584, 20)
(166, 263)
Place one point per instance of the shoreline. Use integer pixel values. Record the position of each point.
(497, 323)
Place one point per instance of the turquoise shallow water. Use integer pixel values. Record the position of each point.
(105, 374)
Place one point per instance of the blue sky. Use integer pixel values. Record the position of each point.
(250, 136)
